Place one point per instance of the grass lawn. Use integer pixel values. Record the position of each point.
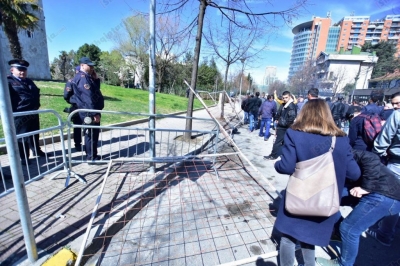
(116, 99)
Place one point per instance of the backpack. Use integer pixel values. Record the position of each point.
(372, 126)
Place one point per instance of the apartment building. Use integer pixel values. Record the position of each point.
(317, 35)
(356, 30)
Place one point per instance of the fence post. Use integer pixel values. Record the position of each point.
(152, 77)
(7, 120)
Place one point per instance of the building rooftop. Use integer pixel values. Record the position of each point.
(388, 76)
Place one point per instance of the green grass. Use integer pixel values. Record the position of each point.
(116, 99)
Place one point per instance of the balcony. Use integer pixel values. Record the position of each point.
(356, 26)
(371, 26)
(396, 37)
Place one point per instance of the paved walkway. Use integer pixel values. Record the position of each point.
(185, 214)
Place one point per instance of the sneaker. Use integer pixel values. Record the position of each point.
(261, 136)
(266, 139)
(326, 262)
(374, 234)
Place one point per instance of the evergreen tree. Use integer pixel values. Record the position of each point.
(387, 62)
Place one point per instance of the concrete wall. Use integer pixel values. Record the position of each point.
(34, 49)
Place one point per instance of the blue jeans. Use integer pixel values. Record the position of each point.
(371, 208)
(246, 117)
(251, 125)
(387, 226)
(267, 123)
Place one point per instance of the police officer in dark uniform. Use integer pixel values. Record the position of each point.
(76, 119)
(87, 95)
(25, 96)
(338, 110)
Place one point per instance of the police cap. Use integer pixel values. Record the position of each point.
(78, 68)
(86, 60)
(18, 63)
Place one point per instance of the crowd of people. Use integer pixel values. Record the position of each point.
(366, 160)
(82, 92)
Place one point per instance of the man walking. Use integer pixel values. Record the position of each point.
(253, 105)
(285, 118)
(25, 96)
(338, 110)
(87, 95)
(267, 111)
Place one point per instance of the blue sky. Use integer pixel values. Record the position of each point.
(71, 23)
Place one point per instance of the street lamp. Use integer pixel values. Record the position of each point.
(241, 78)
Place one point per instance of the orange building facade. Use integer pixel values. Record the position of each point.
(319, 35)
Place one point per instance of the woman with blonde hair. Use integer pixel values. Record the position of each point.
(311, 136)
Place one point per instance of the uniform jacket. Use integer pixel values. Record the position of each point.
(288, 112)
(388, 140)
(376, 177)
(299, 146)
(267, 109)
(24, 94)
(86, 92)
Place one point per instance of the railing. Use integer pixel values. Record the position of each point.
(52, 140)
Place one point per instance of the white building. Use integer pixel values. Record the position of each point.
(335, 70)
(269, 76)
(34, 48)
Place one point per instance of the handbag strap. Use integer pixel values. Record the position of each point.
(333, 144)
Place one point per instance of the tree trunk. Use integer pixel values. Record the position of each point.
(11, 31)
(223, 94)
(189, 113)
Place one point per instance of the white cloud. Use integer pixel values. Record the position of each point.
(275, 48)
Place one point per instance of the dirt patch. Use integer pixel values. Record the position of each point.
(256, 250)
(198, 139)
(237, 209)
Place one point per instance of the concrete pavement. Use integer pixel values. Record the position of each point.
(198, 216)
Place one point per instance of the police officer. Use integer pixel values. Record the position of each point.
(87, 95)
(24, 97)
(76, 119)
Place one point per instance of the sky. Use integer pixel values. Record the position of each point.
(72, 23)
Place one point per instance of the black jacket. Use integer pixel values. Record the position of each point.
(338, 110)
(24, 94)
(286, 116)
(376, 177)
(253, 104)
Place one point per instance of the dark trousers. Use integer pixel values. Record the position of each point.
(25, 124)
(277, 148)
(77, 131)
(287, 248)
(91, 141)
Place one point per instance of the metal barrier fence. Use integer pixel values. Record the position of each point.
(53, 161)
(131, 143)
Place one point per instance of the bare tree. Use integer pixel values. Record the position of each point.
(242, 13)
(335, 80)
(171, 44)
(277, 86)
(304, 78)
(233, 43)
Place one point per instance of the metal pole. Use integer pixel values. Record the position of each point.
(152, 78)
(240, 86)
(7, 120)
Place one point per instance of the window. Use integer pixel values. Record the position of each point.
(29, 34)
